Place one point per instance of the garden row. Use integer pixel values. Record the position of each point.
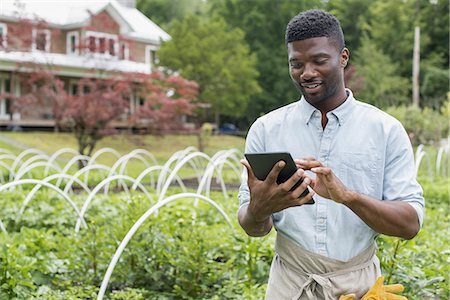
(188, 248)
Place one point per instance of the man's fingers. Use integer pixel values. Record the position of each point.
(308, 163)
(251, 175)
(293, 180)
(322, 171)
(273, 174)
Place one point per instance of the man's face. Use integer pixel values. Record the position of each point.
(316, 67)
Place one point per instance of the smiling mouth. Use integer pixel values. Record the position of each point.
(310, 85)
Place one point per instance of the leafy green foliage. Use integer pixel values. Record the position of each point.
(264, 23)
(422, 265)
(216, 56)
(181, 253)
(423, 125)
(435, 87)
(381, 84)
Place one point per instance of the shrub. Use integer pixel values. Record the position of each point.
(424, 126)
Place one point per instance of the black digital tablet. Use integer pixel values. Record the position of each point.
(262, 164)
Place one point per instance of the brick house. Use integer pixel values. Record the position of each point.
(79, 37)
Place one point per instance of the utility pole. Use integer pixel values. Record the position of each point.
(416, 67)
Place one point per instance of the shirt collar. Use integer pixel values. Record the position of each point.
(342, 112)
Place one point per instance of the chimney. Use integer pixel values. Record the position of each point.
(127, 3)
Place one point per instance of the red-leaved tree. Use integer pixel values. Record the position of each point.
(165, 100)
(90, 113)
(101, 98)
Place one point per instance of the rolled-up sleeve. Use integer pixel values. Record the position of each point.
(400, 181)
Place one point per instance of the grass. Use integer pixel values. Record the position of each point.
(162, 147)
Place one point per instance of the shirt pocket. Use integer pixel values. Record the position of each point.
(360, 171)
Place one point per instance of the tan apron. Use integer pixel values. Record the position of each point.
(297, 273)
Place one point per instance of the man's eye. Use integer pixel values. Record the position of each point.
(321, 62)
(296, 65)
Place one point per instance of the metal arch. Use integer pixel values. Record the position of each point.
(34, 158)
(2, 227)
(49, 185)
(71, 162)
(440, 155)
(86, 170)
(133, 155)
(8, 156)
(156, 168)
(122, 162)
(38, 186)
(6, 151)
(232, 155)
(139, 223)
(6, 166)
(20, 157)
(205, 183)
(147, 153)
(102, 151)
(59, 153)
(177, 156)
(31, 167)
(178, 166)
(99, 186)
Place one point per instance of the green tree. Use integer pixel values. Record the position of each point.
(351, 20)
(381, 84)
(390, 26)
(264, 23)
(162, 12)
(216, 56)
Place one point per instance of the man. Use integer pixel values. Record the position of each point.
(357, 160)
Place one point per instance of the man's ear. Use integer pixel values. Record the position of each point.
(345, 55)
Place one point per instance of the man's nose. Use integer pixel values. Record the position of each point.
(308, 72)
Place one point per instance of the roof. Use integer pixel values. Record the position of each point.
(66, 65)
(76, 13)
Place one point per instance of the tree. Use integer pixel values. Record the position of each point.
(162, 12)
(376, 78)
(166, 100)
(209, 52)
(101, 97)
(99, 101)
(264, 23)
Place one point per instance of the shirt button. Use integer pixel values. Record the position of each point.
(321, 221)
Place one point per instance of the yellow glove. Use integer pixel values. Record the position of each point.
(384, 292)
(380, 292)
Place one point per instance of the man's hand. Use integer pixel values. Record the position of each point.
(268, 197)
(326, 183)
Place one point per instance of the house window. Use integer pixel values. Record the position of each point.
(112, 47)
(41, 40)
(151, 57)
(136, 102)
(124, 51)
(102, 44)
(73, 88)
(92, 44)
(5, 104)
(3, 34)
(72, 42)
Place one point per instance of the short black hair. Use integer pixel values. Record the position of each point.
(315, 23)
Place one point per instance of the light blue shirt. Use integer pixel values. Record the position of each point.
(367, 149)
